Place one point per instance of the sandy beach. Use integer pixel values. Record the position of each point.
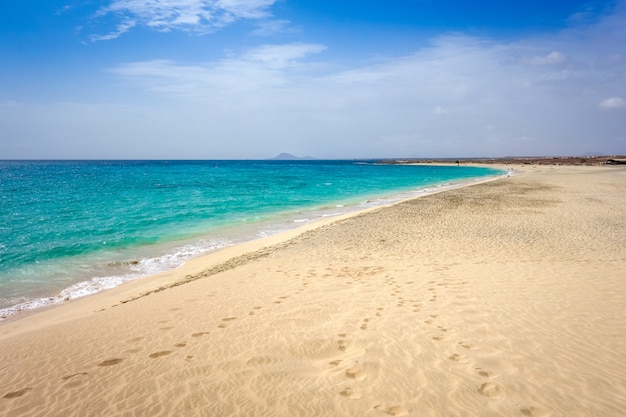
(505, 298)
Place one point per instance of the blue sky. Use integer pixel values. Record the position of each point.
(221, 79)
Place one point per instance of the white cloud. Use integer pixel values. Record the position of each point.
(200, 16)
(259, 68)
(281, 56)
(244, 9)
(553, 58)
(613, 103)
(272, 27)
(289, 91)
(119, 31)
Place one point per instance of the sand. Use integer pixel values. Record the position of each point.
(506, 298)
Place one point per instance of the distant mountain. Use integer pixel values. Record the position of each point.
(289, 157)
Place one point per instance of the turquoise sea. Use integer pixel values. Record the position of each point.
(73, 228)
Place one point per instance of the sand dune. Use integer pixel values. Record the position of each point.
(506, 298)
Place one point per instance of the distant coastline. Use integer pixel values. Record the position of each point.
(505, 160)
(537, 160)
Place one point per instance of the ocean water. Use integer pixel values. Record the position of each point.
(73, 228)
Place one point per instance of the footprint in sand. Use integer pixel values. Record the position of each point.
(111, 362)
(16, 394)
(534, 412)
(135, 339)
(65, 378)
(352, 393)
(342, 345)
(199, 334)
(227, 319)
(252, 312)
(459, 358)
(395, 410)
(356, 372)
(159, 354)
(467, 346)
(491, 390)
(281, 299)
(181, 344)
(486, 374)
(75, 380)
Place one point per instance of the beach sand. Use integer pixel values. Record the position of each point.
(505, 298)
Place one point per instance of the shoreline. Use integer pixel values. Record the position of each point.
(16, 312)
(499, 298)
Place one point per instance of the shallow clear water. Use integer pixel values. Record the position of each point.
(71, 228)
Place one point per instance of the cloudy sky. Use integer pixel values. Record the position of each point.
(231, 79)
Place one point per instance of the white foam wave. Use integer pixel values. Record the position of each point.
(137, 269)
(332, 214)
